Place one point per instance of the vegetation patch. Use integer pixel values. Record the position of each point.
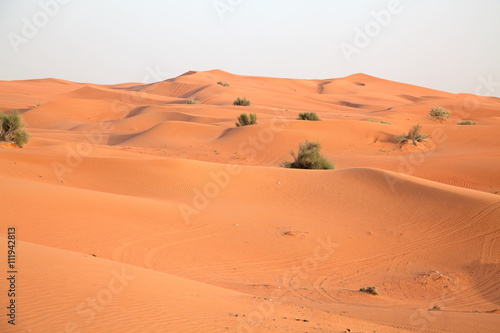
(193, 101)
(244, 119)
(309, 116)
(370, 290)
(439, 113)
(413, 135)
(378, 121)
(466, 122)
(242, 101)
(309, 157)
(12, 129)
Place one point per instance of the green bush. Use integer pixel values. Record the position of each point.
(439, 113)
(308, 116)
(413, 135)
(225, 84)
(371, 290)
(309, 157)
(244, 119)
(243, 102)
(193, 101)
(12, 129)
(466, 122)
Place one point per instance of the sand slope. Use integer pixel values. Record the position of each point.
(136, 212)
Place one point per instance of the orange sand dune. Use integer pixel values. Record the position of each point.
(137, 212)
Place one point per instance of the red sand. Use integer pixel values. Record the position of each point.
(136, 212)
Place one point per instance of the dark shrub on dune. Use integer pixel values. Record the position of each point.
(309, 157)
(12, 128)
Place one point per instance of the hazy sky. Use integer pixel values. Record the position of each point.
(451, 45)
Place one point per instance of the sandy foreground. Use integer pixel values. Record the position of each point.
(137, 212)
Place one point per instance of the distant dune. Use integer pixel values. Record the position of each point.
(138, 212)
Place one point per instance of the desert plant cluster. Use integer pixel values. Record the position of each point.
(309, 157)
(439, 113)
(370, 290)
(225, 84)
(414, 135)
(466, 122)
(309, 116)
(245, 120)
(242, 101)
(12, 128)
(379, 121)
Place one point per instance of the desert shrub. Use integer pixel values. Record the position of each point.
(220, 82)
(244, 119)
(378, 121)
(309, 157)
(371, 290)
(308, 116)
(12, 128)
(193, 101)
(413, 135)
(466, 122)
(439, 113)
(435, 308)
(225, 84)
(243, 102)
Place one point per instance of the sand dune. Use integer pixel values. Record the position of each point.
(136, 212)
